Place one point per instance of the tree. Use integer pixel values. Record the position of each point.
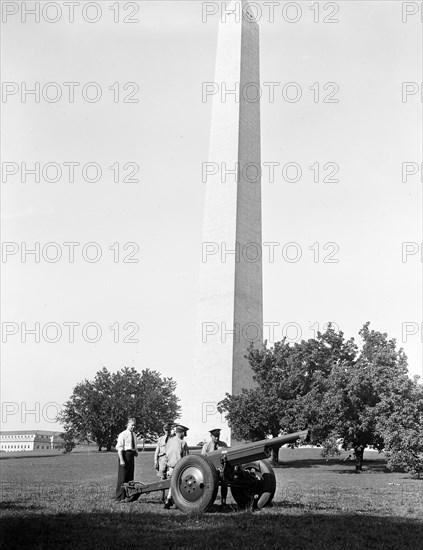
(291, 381)
(98, 409)
(403, 430)
(361, 395)
(255, 414)
(342, 394)
(252, 415)
(68, 440)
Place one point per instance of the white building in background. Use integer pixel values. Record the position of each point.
(29, 440)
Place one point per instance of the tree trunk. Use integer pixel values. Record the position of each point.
(359, 452)
(99, 448)
(108, 447)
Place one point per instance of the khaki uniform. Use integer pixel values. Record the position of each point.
(214, 446)
(160, 461)
(176, 449)
(211, 446)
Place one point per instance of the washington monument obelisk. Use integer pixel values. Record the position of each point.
(230, 310)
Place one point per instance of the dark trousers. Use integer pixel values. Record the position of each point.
(224, 491)
(125, 473)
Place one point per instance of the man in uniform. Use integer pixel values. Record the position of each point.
(176, 449)
(213, 445)
(127, 451)
(160, 463)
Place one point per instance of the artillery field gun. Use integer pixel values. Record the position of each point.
(245, 469)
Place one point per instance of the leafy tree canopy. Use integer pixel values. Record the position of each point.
(359, 397)
(98, 409)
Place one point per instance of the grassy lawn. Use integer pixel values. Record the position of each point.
(56, 500)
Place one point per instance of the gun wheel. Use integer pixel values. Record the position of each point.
(265, 486)
(194, 484)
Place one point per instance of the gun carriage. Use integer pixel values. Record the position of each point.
(245, 469)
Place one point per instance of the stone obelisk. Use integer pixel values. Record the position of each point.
(230, 309)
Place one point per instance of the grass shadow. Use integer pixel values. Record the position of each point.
(266, 529)
(30, 456)
(378, 465)
(16, 507)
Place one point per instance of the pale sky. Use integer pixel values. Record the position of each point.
(369, 213)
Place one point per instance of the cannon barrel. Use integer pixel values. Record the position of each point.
(246, 452)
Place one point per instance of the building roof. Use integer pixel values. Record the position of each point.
(30, 432)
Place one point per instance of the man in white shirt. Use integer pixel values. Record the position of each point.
(127, 450)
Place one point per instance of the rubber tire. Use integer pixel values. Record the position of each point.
(245, 498)
(207, 495)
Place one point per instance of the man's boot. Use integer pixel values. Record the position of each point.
(168, 503)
